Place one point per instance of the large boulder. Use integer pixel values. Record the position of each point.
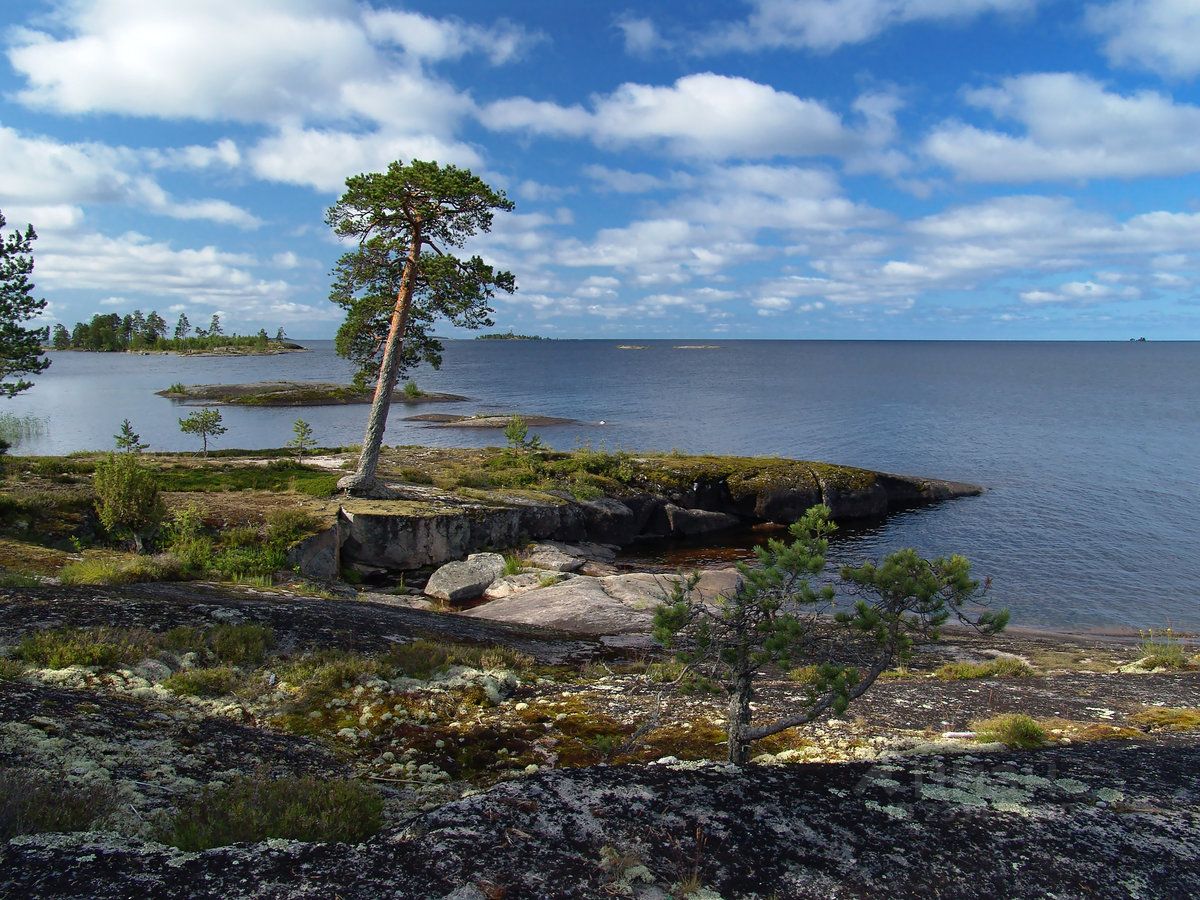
(616, 604)
(690, 522)
(465, 580)
(609, 521)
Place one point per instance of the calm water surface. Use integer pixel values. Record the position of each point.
(1091, 452)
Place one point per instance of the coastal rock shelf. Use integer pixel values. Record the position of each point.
(486, 420)
(661, 497)
(290, 393)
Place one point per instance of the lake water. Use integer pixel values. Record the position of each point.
(1091, 452)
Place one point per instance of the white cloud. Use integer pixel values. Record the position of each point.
(270, 60)
(135, 266)
(1073, 129)
(40, 171)
(322, 159)
(1080, 293)
(641, 35)
(825, 25)
(434, 40)
(703, 115)
(1160, 35)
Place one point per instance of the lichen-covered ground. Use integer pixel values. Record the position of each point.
(511, 772)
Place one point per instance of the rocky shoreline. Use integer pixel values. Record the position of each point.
(290, 393)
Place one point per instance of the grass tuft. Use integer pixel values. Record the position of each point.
(109, 569)
(102, 646)
(1167, 718)
(1002, 666)
(257, 808)
(1013, 730)
(36, 803)
(216, 682)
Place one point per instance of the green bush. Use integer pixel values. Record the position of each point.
(102, 646)
(299, 809)
(241, 645)
(242, 562)
(216, 682)
(286, 526)
(1003, 666)
(1013, 730)
(1162, 649)
(36, 803)
(127, 499)
(108, 570)
(11, 669)
(424, 658)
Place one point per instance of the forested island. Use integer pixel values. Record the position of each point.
(509, 336)
(138, 333)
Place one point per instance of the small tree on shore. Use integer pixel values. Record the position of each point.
(128, 440)
(778, 618)
(20, 347)
(127, 500)
(204, 422)
(182, 327)
(302, 441)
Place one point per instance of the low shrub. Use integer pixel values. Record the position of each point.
(36, 803)
(1162, 649)
(11, 669)
(10, 579)
(1001, 666)
(108, 569)
(215, 682)
(241, 645)
(1167, 718)
(1013, 730)
(286, 526)
(127, 499)
(101, 646)
(257, 808)
(424, 658)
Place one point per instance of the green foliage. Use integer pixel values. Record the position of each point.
(1003, 666)
(37, 803)
(302, 440)
(424, 658)
(411, 391)
(516, 433)
(278, 475)
(286, 526)
(779, 618)
(128, 440)
(205, 423)
(1167, 718)
(15, 429)
(257, 808)
(241, 645)
(1162, 649)
(1013, 730)
(11, 669)
(177, 387)
(378, 215)
(101, 646)
(20, 347)
(215, 682)
(111, 569)
(512, 564)
(127, 499)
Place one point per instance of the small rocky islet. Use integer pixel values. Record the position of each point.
(497, 734)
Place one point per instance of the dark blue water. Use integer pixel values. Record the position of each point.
(1091, 451)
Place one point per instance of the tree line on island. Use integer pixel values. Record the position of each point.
(116, 333)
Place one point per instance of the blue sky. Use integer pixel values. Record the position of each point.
(994, 169)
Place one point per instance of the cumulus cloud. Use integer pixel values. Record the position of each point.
(1074, 128)
(43, 172)
(218, 60)
(1160, 35)
(826, 25)
(703, 116)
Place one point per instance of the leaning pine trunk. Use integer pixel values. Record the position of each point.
(363, 480)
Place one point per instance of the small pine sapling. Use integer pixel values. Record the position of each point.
(303, 440)
(777, 618)
(206, 423)
(128, 440)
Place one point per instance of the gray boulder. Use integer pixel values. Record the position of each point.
(688, 522)
(467, 579)
(609, 521)
(616, 604)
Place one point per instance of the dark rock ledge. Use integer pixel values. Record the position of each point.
(1097, 820)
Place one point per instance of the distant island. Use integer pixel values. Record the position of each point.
(294, 393)
(509, 336)
(136, 333)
